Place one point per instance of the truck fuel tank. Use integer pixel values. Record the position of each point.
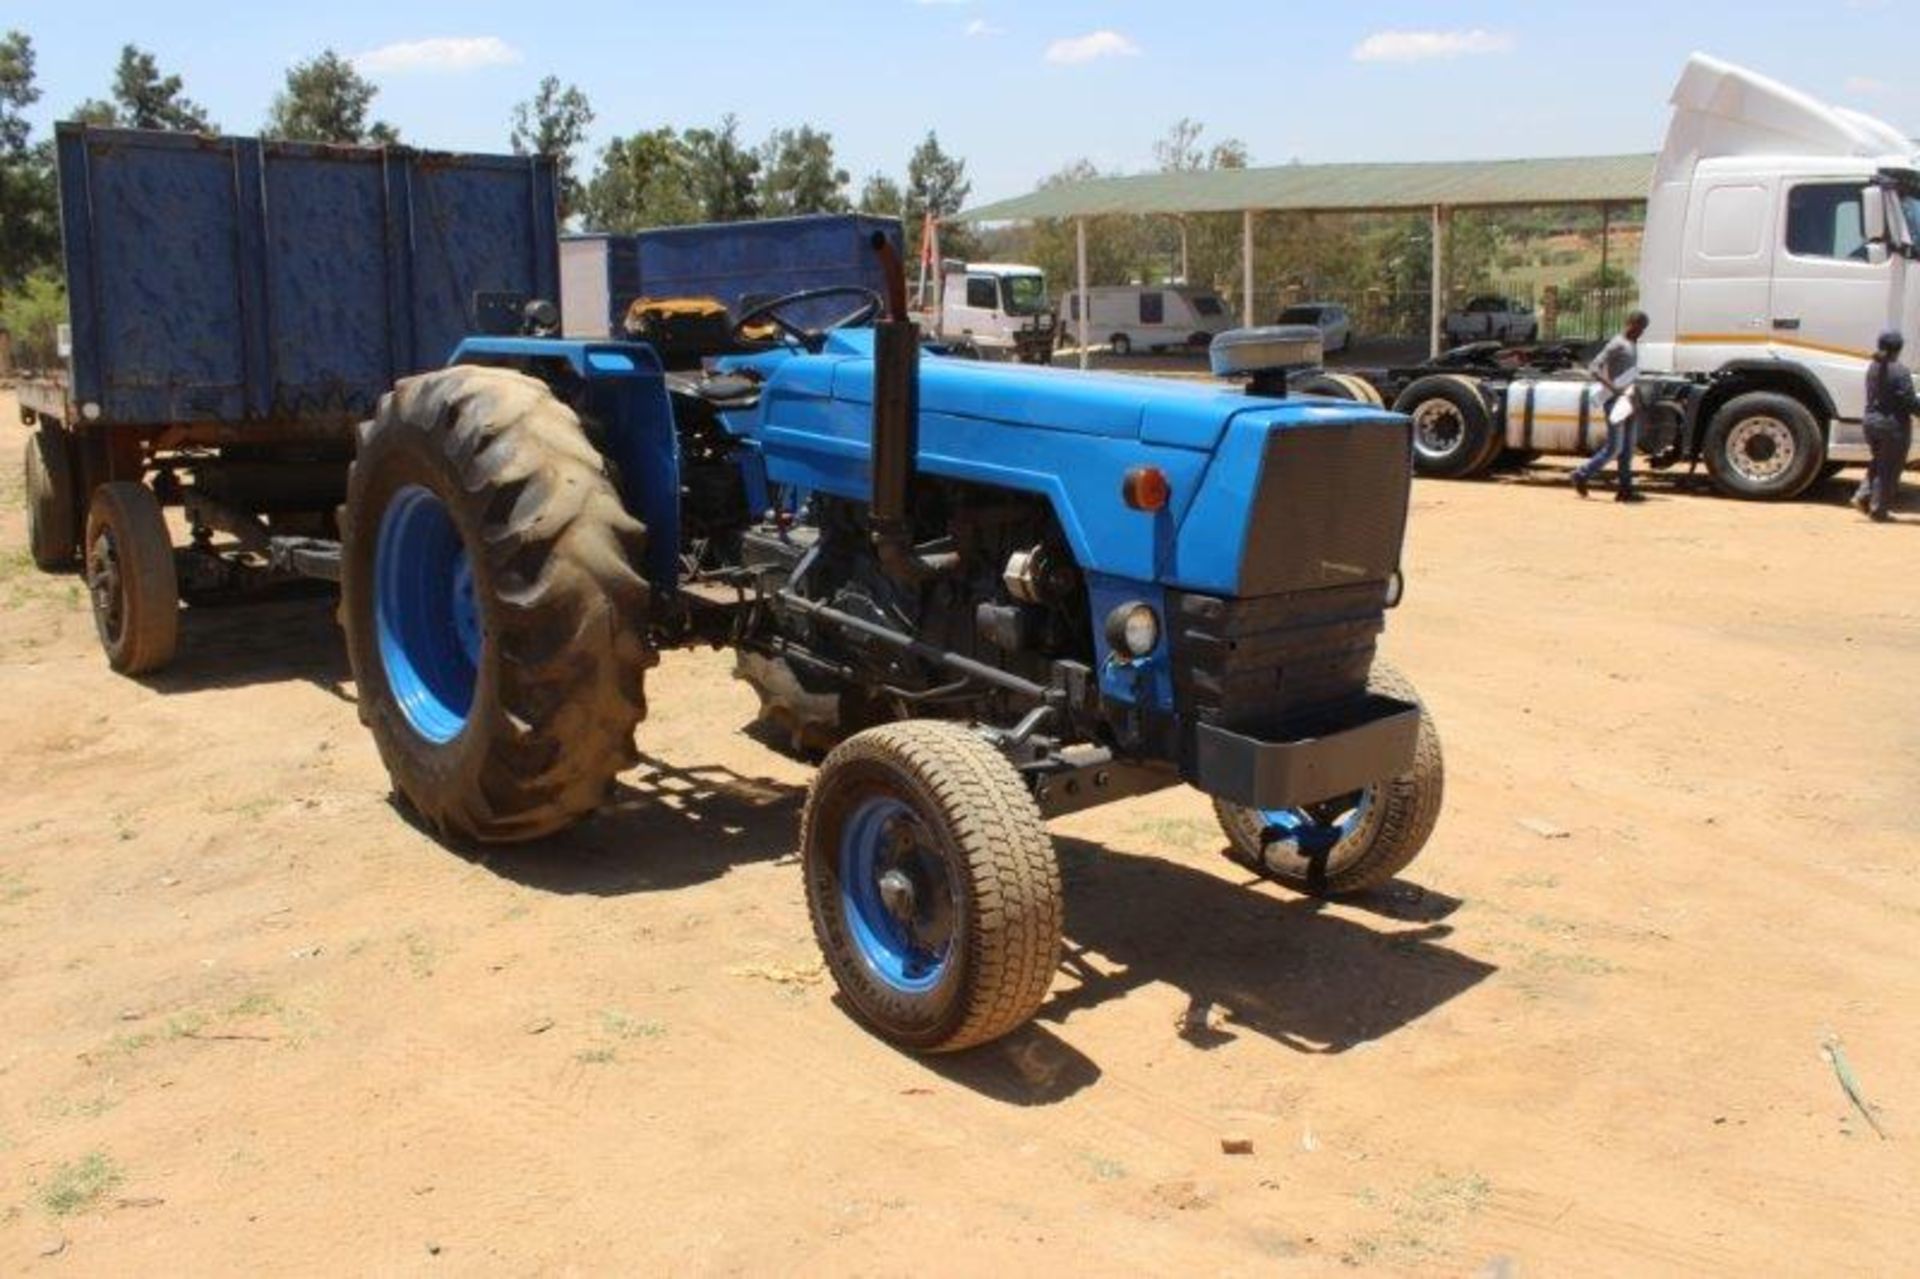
(1552, 416)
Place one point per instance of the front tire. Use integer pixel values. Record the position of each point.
(1763, 446)
(932, 884)
(495, 617)
(130, 578)
(1353, 842)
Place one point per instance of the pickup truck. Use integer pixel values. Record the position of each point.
(1488, 317)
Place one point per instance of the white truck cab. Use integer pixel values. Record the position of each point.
(998, 309)
(1779, 243)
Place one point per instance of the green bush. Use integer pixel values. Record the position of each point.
(30, 315)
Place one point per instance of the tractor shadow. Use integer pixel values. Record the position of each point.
(1248, 960)
(289, 634)
(662, 827)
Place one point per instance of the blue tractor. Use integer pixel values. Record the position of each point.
(987, 595)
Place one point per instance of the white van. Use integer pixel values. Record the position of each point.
(997, 310)
(1151, 317)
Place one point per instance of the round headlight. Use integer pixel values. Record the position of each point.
(1133, 630)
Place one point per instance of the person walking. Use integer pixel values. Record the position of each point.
(1615, 368)
(1889, 426)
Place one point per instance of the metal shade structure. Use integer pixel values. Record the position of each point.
(1437, 187)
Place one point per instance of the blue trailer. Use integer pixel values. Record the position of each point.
(236, 307)
(739, 264)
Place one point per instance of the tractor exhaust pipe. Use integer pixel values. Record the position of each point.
(896, 430)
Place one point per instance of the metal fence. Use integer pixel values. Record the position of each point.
(1565, 313)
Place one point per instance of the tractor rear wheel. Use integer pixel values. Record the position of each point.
(494, 612)
(932, 885)
(131, 579)
(53, 532)
(1352, 842)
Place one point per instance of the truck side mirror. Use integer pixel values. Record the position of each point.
(1873, 214)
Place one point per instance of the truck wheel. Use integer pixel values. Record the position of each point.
(1353, 842)
(1120, 344)
(1763, 446)
(1340, 386)
(494, 616)
(52, 531)
(130, 577)
(1453, 431)
(932, 884)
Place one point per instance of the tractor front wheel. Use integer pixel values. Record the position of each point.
(1352, 842)
(494, 613)
(932, 884)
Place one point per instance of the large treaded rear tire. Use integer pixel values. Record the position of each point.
(131, 579)
(979, 840)
(556, 636)
(1399, 820)
(53, 529)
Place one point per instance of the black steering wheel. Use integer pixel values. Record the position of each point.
(812, 340)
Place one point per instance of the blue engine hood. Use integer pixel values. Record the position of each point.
(1169, 411)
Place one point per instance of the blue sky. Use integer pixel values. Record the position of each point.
(1017, 89)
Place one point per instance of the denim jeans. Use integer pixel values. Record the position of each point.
(1621, 437)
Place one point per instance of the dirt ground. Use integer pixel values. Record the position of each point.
(254, 1020)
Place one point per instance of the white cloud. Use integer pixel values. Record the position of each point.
(981, 27)
(1422, 46)
(1095, 44)
(1866, 85)
(440, 53)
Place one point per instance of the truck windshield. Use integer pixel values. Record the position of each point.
(1026, 294)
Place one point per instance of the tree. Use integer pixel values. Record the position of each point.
(642, 181)
(555, 123)
(148, 100)
(881, 196)
(29, 211)
(937, 184)
(723, 172)
(327, 100)
(798, 175)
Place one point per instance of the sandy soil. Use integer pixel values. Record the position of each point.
(255, 1020)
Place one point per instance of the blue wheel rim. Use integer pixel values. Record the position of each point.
(897, 895)
(425, 614)
(1316, 830)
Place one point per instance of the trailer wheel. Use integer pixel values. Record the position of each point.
(494, 615)
(1120, 344)
(1453, 430)
(1763, 446)
(1353, 842)
(130, 578)
(53, 532)
(932, 884)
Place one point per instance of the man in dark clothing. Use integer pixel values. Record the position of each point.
(1615, 368)
(1889, 426)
